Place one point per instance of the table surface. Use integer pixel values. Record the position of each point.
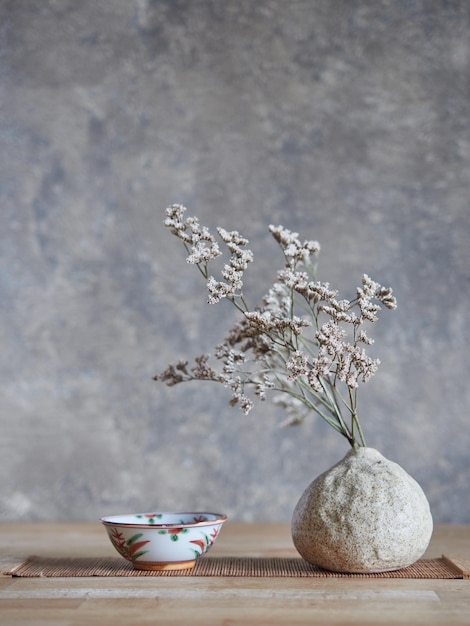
(219, 600)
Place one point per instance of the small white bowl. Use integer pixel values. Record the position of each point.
(163, 541)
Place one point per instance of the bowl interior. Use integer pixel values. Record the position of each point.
(164, 519)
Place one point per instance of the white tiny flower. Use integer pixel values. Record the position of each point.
(285, 344)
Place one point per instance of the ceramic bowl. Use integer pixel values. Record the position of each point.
(163, 541)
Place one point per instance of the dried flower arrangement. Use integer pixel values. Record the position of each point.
(302, 342)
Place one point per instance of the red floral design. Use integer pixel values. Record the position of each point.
(200, 543)
(205, 543)
(130, 548)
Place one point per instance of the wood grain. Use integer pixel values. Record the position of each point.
(221, 600)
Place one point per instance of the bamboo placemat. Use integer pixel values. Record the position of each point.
(40, 566)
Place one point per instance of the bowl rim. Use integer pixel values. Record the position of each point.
(113, 520)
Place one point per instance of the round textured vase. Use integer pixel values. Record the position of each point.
(365, 514)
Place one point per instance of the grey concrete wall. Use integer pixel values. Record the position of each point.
(348, 121)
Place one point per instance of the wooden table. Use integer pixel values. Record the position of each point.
(226, 601)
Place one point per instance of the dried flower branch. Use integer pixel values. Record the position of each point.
(302, 342)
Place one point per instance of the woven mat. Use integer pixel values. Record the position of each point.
(36, 566)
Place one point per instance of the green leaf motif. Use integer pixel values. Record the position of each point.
(133, 539)
(137, 554)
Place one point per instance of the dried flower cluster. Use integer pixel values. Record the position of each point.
(303, 343)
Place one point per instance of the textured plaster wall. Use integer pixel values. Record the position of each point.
(348, 121)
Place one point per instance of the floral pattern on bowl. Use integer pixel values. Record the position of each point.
(163, 540)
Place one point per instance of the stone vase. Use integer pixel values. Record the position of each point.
(365, 514)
